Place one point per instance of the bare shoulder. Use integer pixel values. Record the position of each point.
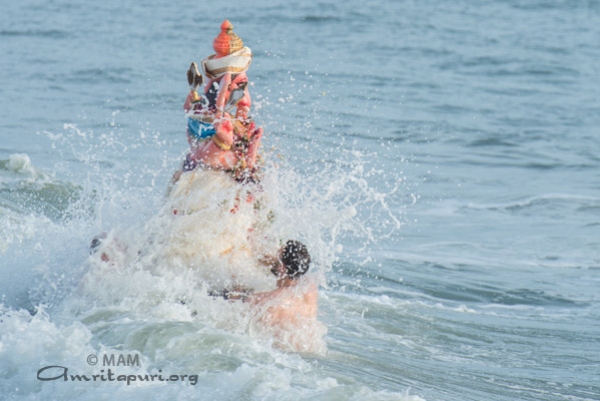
(310, 291)
(310, 283)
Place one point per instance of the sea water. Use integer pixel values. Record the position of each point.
(440, 160)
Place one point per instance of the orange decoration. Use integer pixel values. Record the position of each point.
(227, 41)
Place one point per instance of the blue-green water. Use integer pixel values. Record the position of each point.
(440, 159)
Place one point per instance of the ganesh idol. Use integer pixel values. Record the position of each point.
(221, 134)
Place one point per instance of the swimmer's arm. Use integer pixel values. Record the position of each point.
(268, 260)
(236, 294)
(261, 297)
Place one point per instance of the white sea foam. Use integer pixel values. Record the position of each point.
(151, 297)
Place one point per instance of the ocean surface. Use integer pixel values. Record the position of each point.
(441, 160)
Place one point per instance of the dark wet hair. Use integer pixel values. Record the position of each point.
(295, 258)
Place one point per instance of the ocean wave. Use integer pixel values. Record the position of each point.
(48, 33)
(577, 202)
(25, 189)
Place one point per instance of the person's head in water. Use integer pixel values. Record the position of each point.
(294, 258)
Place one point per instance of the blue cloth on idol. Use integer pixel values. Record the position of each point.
(199, 129)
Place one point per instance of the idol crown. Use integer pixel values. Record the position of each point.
(227, 41)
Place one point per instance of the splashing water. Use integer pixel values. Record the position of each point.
(151, 298)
